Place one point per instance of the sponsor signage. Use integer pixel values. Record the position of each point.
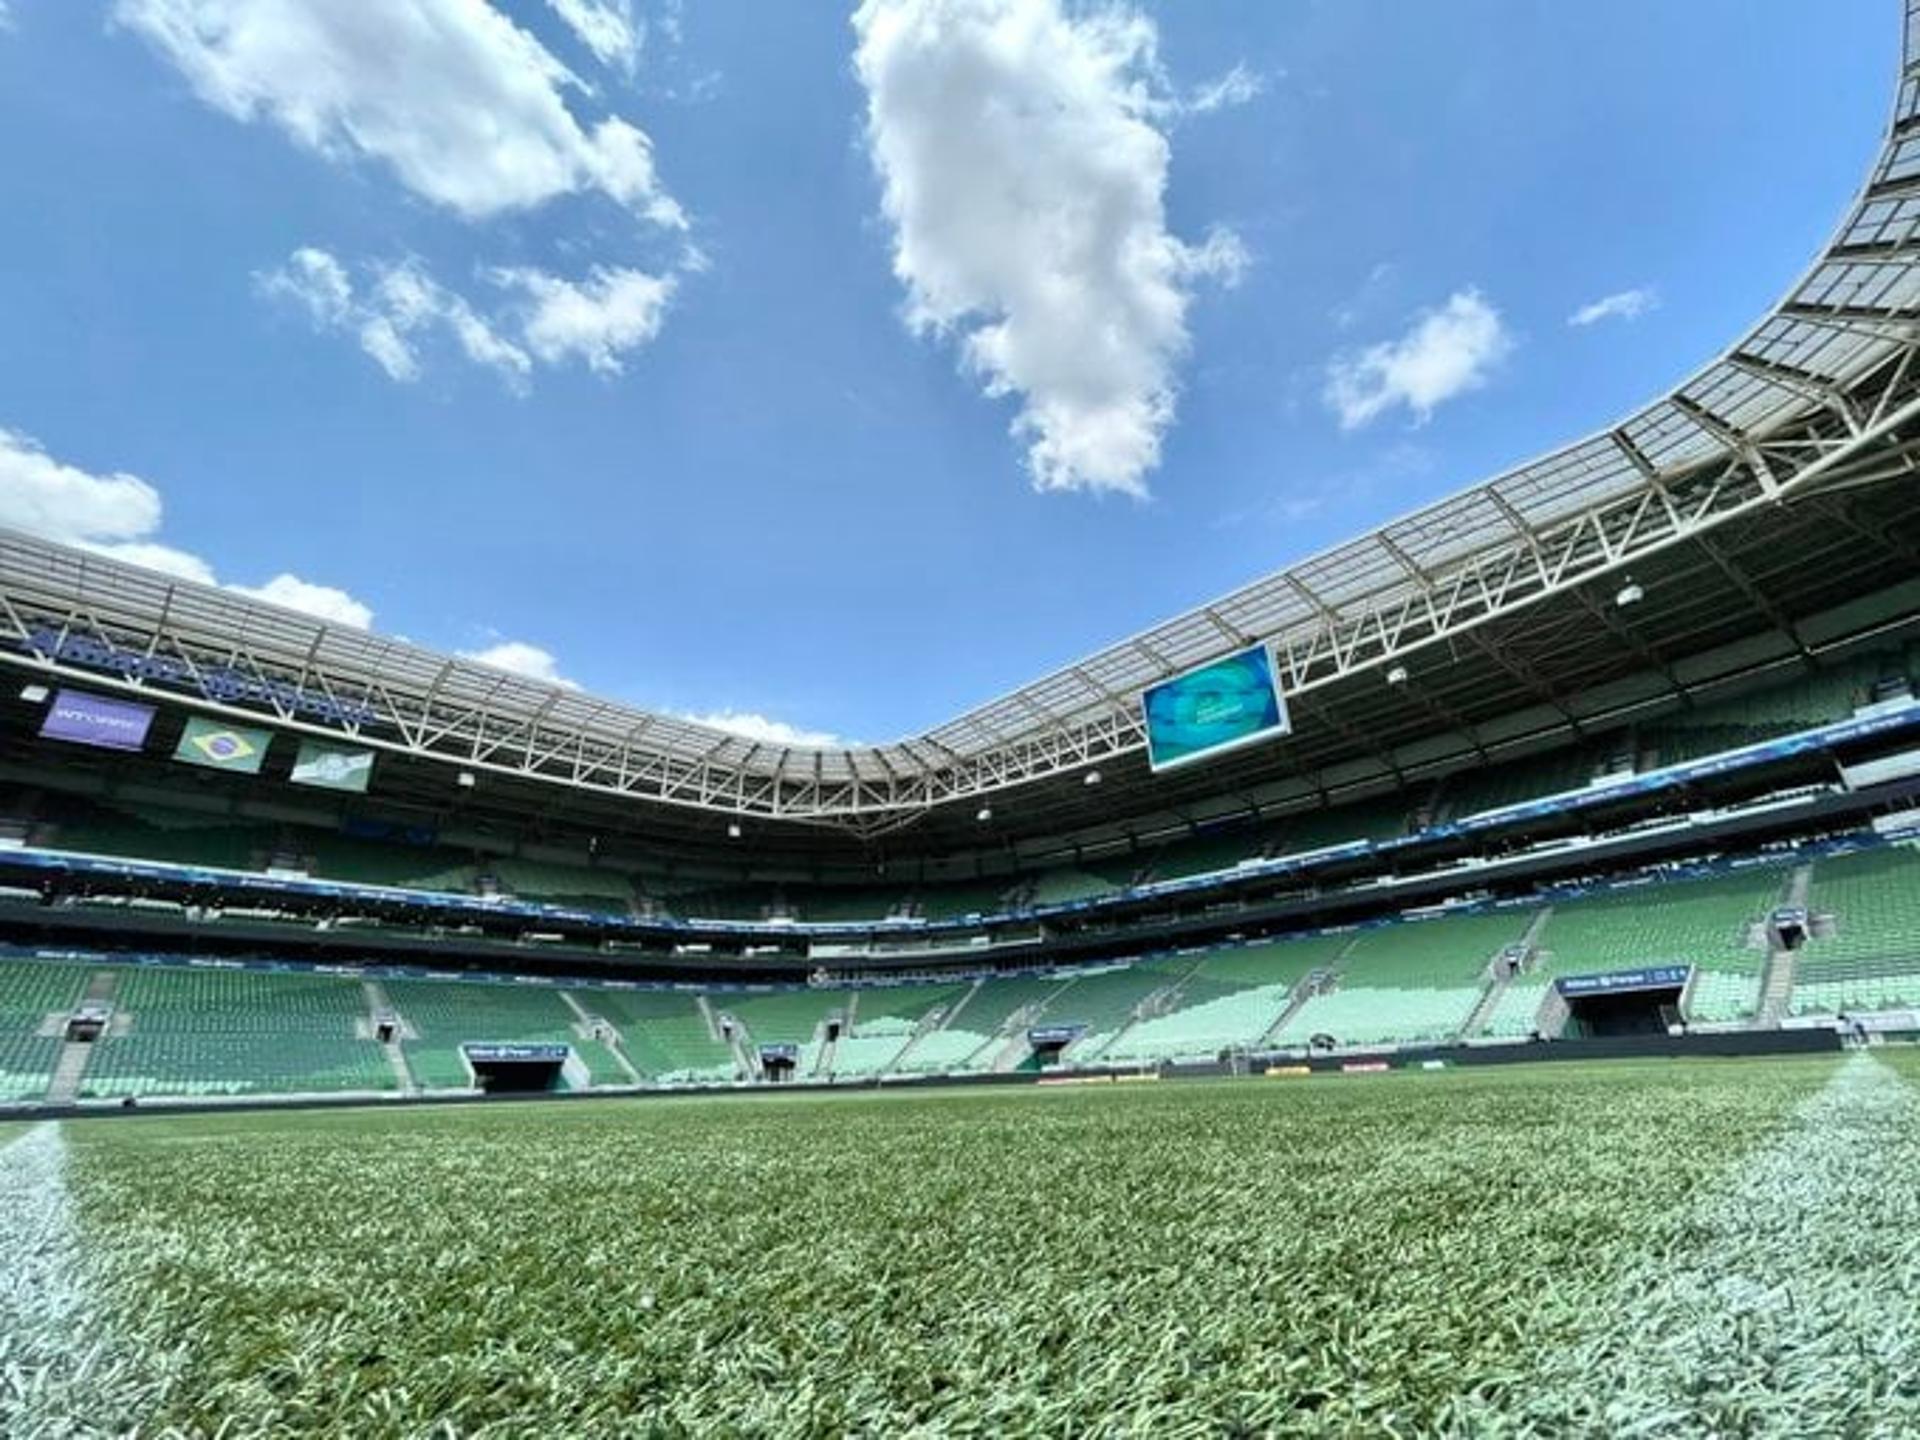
(222, 747)
(1613, 982)
(95, 720)
(1217, 707)
(222, 683)
(489, 1051)
(329, 767)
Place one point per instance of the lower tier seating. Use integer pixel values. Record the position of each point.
(1417, 980)
(1871, 957)
(445, 1014)
(665, 1036)
(179, 1031)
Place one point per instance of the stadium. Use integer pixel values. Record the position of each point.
(1373, 1002)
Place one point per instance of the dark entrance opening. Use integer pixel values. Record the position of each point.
(1623, 1012)
(779, 1063)
(89, 1021)
(516, 1069)
(1791, 926)
(1049, 1044)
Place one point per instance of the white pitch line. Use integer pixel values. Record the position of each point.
(1787, 1305)
(57, 1376)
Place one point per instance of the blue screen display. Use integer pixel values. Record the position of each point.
(1217, 707)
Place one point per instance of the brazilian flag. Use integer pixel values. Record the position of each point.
(220, 746)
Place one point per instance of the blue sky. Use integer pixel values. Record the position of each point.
(671, 360)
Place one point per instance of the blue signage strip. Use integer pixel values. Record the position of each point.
(216, 682)
(489, 1051)
(1620, 982)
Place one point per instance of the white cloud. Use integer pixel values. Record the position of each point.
(1025, 185)
(399, 307)
(62, 502)
(118, 514)
(1236, 87)
(765, 730)
(606, 27)
(599, 321)
(521, 658)
(1448, 352)
(1621, 305)
(468, 110)
(335, 606)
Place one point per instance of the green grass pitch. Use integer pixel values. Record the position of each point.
(1701, 1248)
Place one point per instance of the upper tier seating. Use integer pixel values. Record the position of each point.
(957, 900)
(447, 1013)
(1410, 981)
(151, 832)
(234, 1032)
(830, 904)
(549, 882)
(1209, 852)
(1516, 782)
(1065, 885)
(356, 861)
(1795, 702)
(1872, 960)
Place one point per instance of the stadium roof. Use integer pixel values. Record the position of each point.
(1818, 399)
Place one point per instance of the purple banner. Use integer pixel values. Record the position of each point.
(95, 720)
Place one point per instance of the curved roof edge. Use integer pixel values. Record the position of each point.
(1822, 377)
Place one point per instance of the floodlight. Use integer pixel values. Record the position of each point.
(733, 829)
(1093, 777)
(984, 814)
(1630, 594)
(33, 694)
(465, 780)
(1397, 675)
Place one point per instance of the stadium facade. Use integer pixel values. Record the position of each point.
(1624, 737)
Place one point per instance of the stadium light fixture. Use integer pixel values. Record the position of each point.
(33, 694)
(1397, 675)
(1093, 777)
(1630, 594)
(465, 780)
(733, 829)
(984, 814)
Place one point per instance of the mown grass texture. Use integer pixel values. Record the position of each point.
(1410, 1254)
